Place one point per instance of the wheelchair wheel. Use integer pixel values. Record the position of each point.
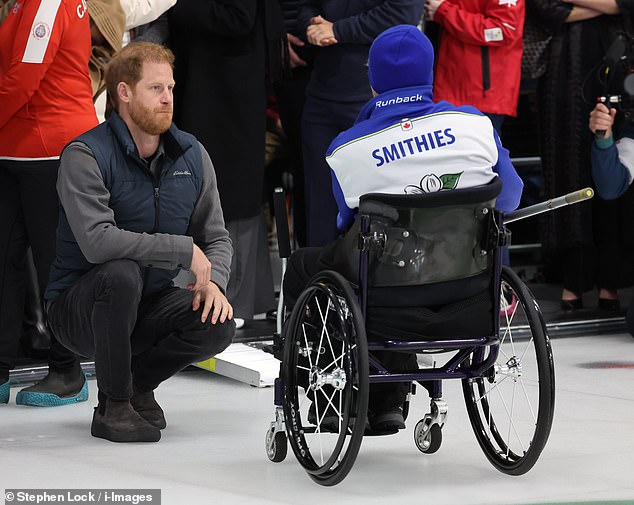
(427, 437)
(511, 407)
(275, 445)
(325, 372)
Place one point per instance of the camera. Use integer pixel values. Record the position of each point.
(616, 76)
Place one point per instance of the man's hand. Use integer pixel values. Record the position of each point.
(431, 6)
(201, 268)
(602, 118)
(321, 32)
(211, 296)
(296, 61)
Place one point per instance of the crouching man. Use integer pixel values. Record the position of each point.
(139, 203)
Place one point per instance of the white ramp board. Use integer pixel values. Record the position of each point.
(244, 363)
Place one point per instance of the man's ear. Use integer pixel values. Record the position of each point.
(123, 92)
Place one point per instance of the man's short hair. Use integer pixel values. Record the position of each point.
(127, 65)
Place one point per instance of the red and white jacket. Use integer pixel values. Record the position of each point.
(45, 92)
(480, 55)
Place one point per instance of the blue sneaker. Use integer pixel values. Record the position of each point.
(56, 389)
(4, 392)
(35, 399)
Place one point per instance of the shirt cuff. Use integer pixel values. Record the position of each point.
(605, 142)
(183, 249)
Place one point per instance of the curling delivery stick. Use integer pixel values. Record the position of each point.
(561, 201)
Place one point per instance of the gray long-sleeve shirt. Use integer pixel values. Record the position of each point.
(85, 199)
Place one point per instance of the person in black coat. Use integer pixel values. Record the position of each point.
(223, 49)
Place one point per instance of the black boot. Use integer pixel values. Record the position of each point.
(146, 405)
(57, 388)
(117, 421)
(36, 336)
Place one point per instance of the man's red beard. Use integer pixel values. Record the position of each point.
(154, 122)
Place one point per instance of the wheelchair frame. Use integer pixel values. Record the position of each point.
(475, 361)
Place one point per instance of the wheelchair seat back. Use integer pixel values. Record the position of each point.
(424, 239)
(430, 261)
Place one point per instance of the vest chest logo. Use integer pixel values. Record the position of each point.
(181, 173)
(432, 183)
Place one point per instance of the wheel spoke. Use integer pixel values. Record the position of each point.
(529, 345)
(508, 435)
(491, 388)
(323, 328)
(310, 360)
(334, 362)
(528, 401)
(510, 421)
(503, 353)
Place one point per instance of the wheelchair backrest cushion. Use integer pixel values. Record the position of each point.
(425, 239)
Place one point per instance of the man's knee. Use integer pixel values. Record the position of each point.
(215, 338)
(121, 275)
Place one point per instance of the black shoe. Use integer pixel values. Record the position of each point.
(117, 421)
(387, 421)
(609, 305)
(146, 405)
(571, 305)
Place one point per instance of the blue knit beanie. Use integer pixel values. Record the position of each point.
(401, 56)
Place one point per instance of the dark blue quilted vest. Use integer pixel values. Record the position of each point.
(141, 203)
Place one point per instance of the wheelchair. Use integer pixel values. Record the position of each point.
(419, 274)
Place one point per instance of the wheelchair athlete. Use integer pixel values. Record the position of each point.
(403, 142)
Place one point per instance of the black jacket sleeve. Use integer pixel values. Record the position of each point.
(363, 28)
(228, 18)
(548, 14)
(626, 6)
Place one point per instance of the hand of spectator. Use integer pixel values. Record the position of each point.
(431, 6)
(321, 32)
(602, 118)
(296, 61)
(212, 298)
(201, 268)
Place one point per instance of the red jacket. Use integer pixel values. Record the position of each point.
(480, 56)
(45, 92)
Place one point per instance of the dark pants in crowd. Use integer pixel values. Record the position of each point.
(291, 96)
(133, 338)
(322, 121)
(28, 217)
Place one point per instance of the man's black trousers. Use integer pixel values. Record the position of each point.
(145, 339)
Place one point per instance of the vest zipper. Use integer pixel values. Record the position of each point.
(157, 206)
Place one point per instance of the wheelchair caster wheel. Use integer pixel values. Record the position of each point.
(427, 437)
(276, 445)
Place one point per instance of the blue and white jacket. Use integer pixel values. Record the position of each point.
(613, 164)
(403, 142)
